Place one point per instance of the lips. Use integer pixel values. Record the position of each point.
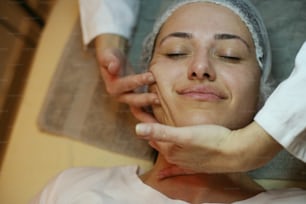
(202, 93)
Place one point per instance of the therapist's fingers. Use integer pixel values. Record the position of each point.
(182, 136)
(111, 53)
(113, 68)
(163, 133)
(142, 115)
(173, 170)
(166, 149)
(139, 99)
(112, 60)
(211, 148)
(119, 85)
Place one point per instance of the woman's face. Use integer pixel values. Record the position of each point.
(205, 68)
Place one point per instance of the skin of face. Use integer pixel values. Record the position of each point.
(205, 67)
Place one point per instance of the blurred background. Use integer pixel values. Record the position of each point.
(21, 23)
(33, 40)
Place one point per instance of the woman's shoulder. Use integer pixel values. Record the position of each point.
(72, 182)
(88, 176)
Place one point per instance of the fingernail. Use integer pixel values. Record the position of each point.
(160, 176)
(156, 101)
(142, 129)
(111, 67)
(150, 79)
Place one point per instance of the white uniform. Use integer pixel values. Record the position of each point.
(108, 16)
(119, 185)
(284, 113)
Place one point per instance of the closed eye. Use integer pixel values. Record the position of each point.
(231, 58)
(176, 55)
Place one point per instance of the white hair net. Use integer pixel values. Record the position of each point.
(248, 14)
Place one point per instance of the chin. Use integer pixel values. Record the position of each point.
(181, 119)
(196, 120)
(193, 123)
(193, 118)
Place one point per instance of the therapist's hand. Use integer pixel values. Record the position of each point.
(119, 78)
(209, 148)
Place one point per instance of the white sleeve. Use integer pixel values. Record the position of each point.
(47, 195)
(68, 185)
(107, 16)
(284, 113)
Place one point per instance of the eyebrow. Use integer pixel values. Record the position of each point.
(226, 36)
(221, 36)
(177, 35)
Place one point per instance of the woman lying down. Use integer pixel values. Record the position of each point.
(210, 60)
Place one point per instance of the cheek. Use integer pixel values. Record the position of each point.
(247, 92)
(166, 75)
(165, 78)
(244, 89)
(243, 81)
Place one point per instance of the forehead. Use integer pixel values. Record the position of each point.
(206, 17)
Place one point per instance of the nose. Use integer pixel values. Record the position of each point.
(201, 68)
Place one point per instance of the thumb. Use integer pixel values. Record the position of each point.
(113, 60)
(182, 136)
(141, 115)
(161, 133)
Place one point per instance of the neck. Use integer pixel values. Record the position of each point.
(199, 188)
